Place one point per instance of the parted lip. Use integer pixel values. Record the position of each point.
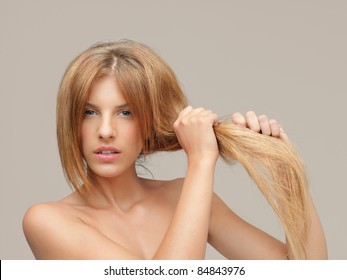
(106, 148)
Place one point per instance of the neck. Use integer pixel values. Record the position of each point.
(123, 191)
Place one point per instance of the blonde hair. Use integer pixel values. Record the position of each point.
(153, 93)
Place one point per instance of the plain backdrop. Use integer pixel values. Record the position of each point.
(286, 59)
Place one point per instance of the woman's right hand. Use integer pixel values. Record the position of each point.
(194, 130)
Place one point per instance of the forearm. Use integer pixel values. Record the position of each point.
(316, 247)
(186, 237)
(235, 238)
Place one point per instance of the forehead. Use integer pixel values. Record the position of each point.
(105, 91)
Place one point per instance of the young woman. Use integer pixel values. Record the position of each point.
(119, 101)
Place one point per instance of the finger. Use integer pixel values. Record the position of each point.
(252, 121)
(264, 125)
(181, 115)
(239, 119)
(283, 135)
(185, 111)
(203, 115)
(191, 115)
(275, 128)
(195, 112)
(213, 118)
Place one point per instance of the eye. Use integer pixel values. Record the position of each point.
(89, 112)
(125, 113)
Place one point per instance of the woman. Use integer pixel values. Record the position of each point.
(118, 101)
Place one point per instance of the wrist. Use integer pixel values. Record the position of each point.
(200, 161)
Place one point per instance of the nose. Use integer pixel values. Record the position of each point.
(107, 129)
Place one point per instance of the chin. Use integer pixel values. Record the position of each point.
(107, 171)
(108, 174)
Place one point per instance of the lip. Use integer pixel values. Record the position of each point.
(107, 157)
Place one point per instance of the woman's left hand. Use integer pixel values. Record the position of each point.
(260, 124)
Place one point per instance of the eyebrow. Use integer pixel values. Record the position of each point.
(124, 105)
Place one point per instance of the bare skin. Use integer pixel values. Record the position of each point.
(128, 217)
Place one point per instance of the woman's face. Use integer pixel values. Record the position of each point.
(111, 139)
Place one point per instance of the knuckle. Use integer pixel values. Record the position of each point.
(184, 122)
(242, 121)
(262, 117)
(236, 114)
(176, 125)
(273, 122)
(250, 114)
(238, 118)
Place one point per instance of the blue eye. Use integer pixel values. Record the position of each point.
(125, 113)
(89, 112)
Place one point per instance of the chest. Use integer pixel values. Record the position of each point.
(140, 229)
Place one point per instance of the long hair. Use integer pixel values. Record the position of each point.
(155, 97)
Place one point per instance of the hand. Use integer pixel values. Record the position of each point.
(194, 130)
(260, 124)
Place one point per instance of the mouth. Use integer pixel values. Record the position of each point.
(106, 150)
(107, 153)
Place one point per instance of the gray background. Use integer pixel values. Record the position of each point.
(283, 58)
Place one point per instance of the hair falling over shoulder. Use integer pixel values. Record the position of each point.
(151, 89)
(279, 173)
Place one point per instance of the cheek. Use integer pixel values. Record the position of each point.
(134, 135)
(85, 134)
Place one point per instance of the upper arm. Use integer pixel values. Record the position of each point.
(236, 239)
(52, 234)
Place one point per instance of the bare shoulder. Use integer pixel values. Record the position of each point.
(45, 213)
(44, 221)
(42, 214)
(55, 230)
